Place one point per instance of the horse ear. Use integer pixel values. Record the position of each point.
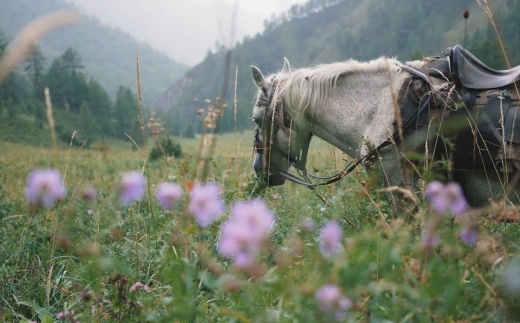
(286, 66)
(259, 79)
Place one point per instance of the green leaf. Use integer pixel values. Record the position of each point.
(42, 312)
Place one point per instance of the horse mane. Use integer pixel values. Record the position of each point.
(304, 87)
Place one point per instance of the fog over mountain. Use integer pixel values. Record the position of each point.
(185, 29)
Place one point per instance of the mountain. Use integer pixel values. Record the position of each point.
(108, 54)
(323, 31)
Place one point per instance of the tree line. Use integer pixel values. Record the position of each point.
(79, 103)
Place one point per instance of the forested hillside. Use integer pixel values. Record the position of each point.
(80, 104)
(108, 55)
(322, 31)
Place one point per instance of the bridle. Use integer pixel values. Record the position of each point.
(300, 161)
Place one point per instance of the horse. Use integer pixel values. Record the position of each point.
(452, 108)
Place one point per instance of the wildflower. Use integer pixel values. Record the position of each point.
(447, 198)
(168, 194)
(89, 212)
(243, 235)
(89, 193)
(469, 236)
(429, 237)
(255, 213)
(331, 300)
(138, 286)
(308, 225)
(67, 316)
(131, 187)
(330, 239)
(86, 295)
(236, 242)
(44, 188)
(206, 205)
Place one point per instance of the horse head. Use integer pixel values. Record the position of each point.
(276, 143)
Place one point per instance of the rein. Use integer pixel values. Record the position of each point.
(299, 163)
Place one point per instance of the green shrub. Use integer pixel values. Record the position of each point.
(165, 146)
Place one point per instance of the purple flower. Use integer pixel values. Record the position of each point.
(255, 213)
(243, 235)
(138, 286)
(237, 243)
(205, 204)
(469, 236)
(330, 239)
(309, 225)
(447, 198)
(66, 316)
(45, 188)
(131, 187)
(331, 300)
(89, 193)
(430, 239)
(89, 212)
(168, 194)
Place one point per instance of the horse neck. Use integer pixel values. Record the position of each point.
(358, 114)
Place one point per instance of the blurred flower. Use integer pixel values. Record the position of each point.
(44, 188)
(243, 235)
(89, 212)
(447, 198)
(308, 225)
(86, 295)
(205, 204)
(138, 286)
(331, 300)
(255, 213)
(469, 236)
(67, 316)
(168, 194)
(429, 237)
(330, 239)
(131, 187)
(236, 243)
(88, 193)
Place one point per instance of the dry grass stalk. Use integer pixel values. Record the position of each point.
(23, 44)
(139, 96)
(235, 98)
(50, 118)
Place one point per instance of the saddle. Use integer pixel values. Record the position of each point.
(473, 74)
(461, 83)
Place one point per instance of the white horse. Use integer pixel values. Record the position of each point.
(354, 106)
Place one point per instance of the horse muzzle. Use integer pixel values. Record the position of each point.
(273, 178)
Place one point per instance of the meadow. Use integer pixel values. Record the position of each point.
(93, 259)
(95, 235)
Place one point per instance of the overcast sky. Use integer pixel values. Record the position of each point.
(185, 29)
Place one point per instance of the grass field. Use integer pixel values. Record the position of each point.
(79, 260)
